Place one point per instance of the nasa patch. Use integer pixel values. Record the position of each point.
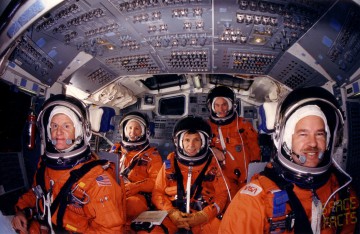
(251, 189)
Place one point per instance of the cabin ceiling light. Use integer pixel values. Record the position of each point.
(76, 92)
(259, 40)
(101, 41)
(110, 47)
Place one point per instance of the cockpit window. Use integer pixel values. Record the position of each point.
(157, 82)
(231, 81)
(172, 105)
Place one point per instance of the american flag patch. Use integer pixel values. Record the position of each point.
(103, 180)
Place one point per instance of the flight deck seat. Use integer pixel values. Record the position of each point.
(100, 119)
(267, 112)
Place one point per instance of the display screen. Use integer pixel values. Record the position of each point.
(172, 105)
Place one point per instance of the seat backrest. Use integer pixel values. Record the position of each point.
(112, 157)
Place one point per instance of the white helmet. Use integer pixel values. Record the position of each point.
(298, 104)
(78, 113)
(143, 139)
(191, 124)
(229, 96)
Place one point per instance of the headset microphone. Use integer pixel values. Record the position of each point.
(301, 158)
(68, 142)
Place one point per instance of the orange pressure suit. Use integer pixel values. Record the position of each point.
(140, 169)
(254, 207)
(212, 200)
(241, 142)
(97, 202)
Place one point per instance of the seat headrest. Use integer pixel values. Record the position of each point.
(267, 113)
(100, 118)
